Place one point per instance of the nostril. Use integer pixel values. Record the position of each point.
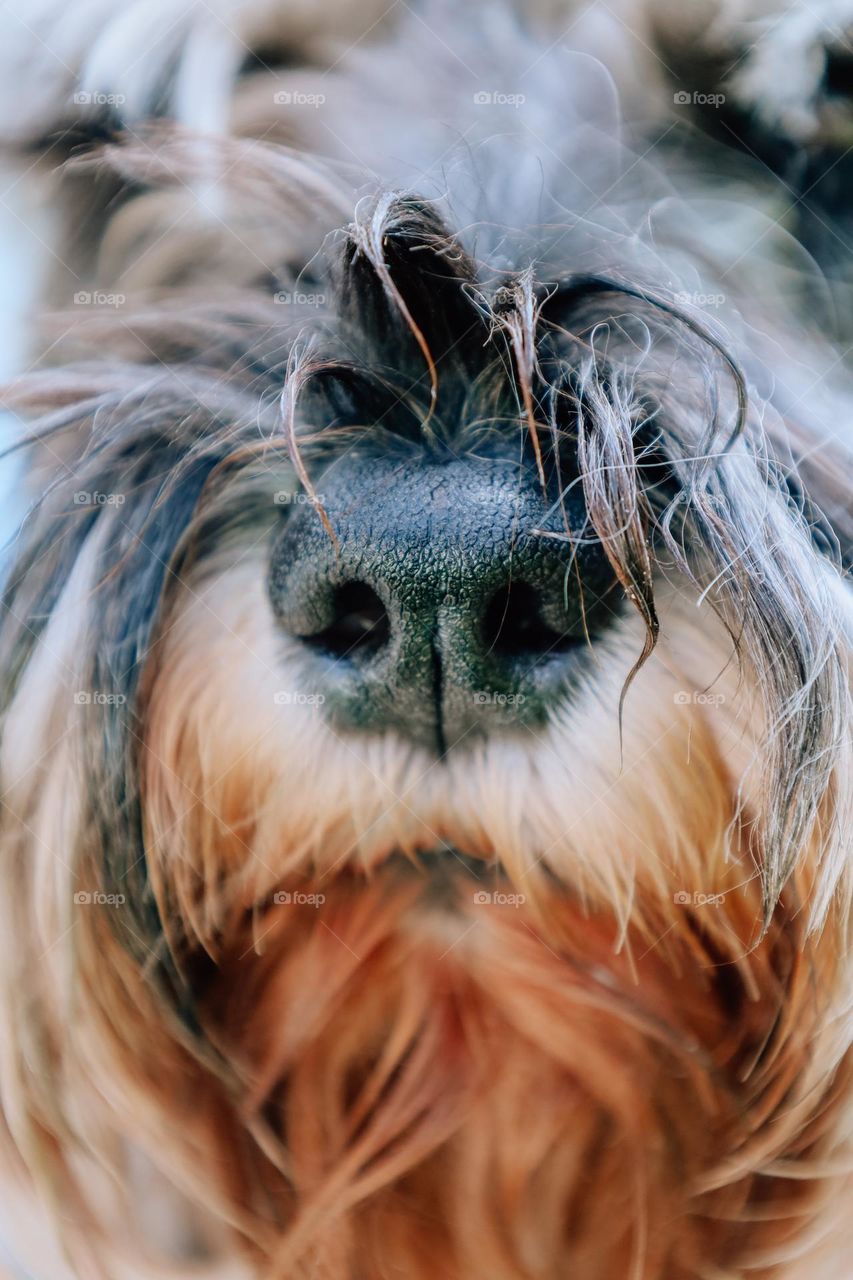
(514, 625)
(360, 623)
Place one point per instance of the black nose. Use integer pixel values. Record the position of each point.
(450, 602)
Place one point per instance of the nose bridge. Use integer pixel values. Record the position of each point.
(437, 579)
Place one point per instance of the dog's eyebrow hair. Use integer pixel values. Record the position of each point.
(584, 285)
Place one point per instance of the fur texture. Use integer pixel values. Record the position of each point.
(570, 1002)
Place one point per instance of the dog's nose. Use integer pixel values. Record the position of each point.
(449, 603)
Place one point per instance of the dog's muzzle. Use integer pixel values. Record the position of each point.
(455, 598)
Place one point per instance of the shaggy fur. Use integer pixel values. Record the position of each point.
(285, 998)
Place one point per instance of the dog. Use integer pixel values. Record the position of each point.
(425, 659)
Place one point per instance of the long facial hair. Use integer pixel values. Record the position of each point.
(370, 1013)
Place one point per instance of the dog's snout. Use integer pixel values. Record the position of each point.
(453, 599)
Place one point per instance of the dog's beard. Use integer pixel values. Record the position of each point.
(451, 1041)
(438, 1084)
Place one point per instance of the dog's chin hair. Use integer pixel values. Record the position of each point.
(439, 1084)
(503, 1019)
